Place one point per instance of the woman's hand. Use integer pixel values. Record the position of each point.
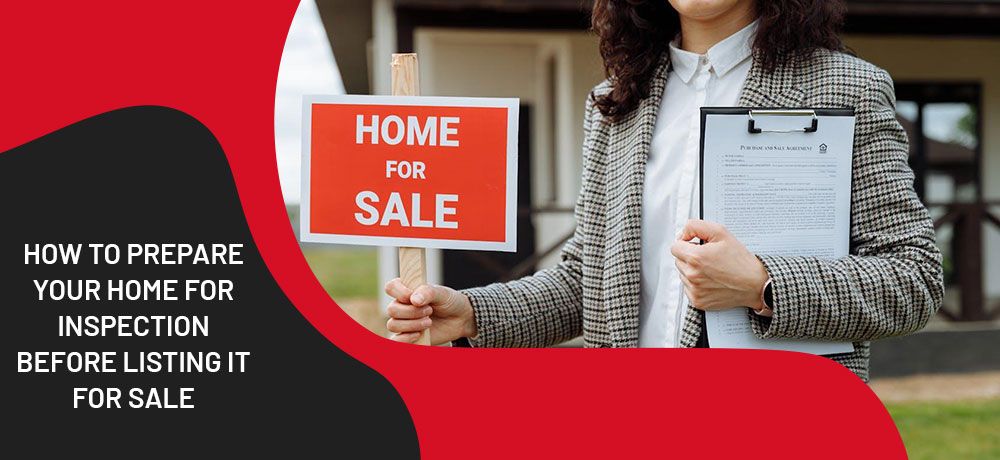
(721, 273)
(443, 310)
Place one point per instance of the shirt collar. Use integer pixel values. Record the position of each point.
(723, 56)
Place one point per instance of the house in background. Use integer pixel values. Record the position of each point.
(943, 55)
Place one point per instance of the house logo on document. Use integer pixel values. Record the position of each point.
(822, 148)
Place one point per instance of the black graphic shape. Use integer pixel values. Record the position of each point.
(152, 174)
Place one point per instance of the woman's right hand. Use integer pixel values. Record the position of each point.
(445, 311)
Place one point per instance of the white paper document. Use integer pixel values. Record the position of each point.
(781, 193)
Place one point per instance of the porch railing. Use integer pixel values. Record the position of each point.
(968, 256)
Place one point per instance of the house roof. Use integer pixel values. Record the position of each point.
(349, 22)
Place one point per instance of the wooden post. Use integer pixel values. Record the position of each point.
(968, 237)
(412, 261)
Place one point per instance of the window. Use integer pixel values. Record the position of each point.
(942, 122)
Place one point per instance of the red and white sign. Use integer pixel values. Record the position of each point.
(433, 172)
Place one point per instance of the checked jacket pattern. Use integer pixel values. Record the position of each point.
(889, 285)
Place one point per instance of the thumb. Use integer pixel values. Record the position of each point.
(428, 295)
(703, 230)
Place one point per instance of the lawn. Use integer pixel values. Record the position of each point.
(949, 430)
(345, 273)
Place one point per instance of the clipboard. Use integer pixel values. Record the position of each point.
(780, 180)
(754, 115)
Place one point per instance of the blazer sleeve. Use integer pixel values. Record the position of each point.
(546, 308)
(891, 284)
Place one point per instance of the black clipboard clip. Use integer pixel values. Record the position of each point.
(752, 129)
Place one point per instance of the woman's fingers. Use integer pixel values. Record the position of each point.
(687, 283)
(429, 295)
(406, 321)
(397, 290)
(400, 326)
(691, 297)
(403, 311)
(406, 337)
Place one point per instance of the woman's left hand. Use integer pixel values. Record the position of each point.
(721, 273)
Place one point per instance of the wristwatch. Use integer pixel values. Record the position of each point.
(767, 299)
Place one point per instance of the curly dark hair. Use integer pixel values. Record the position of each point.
(634, 33)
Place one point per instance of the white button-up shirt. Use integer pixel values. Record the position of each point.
(670, 193)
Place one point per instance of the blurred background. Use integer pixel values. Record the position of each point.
(942, 385)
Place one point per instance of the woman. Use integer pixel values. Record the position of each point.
(630, 275)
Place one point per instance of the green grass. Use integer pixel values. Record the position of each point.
(345, 273)
(949, 430)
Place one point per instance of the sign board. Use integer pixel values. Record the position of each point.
(431, 172)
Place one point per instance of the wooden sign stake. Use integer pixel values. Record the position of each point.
(412, 261)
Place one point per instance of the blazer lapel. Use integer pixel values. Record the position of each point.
(776, 89)
(628, 153)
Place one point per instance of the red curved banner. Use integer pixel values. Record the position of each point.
(218, 62)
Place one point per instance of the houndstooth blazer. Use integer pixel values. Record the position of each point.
(890, 285)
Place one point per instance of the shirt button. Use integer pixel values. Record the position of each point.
(704, 60)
